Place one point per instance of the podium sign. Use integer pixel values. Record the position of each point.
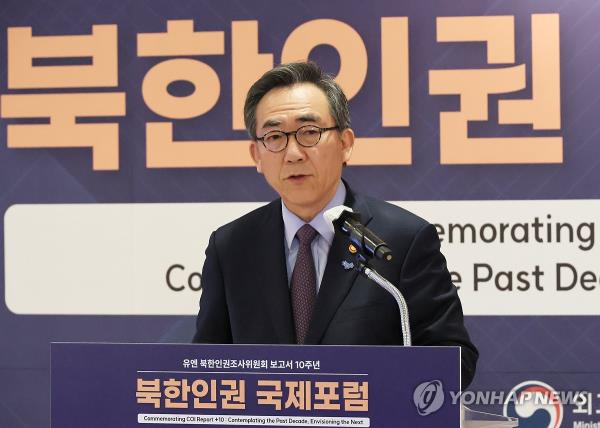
(101, 385)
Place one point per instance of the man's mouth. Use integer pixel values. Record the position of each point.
(297, 177)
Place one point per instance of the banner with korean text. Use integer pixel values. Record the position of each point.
(250, 385)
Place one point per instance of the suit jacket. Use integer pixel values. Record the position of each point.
(246, 296)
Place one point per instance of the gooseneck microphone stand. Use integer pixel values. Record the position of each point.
(362, 267)
(374, 276)
(364, 245)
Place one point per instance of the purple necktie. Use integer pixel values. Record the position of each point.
(304, 283)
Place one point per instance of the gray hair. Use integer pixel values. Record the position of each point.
(291, 74)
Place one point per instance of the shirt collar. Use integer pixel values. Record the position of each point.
(292, 222)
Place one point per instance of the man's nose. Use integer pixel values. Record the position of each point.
(294, 152)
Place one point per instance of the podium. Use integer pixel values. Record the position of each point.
(128, 385)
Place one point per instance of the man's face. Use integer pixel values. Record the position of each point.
(306, 178)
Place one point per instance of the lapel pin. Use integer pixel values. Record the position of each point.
(347, 265)
(352, 249)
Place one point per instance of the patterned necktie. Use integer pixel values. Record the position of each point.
(304, 283)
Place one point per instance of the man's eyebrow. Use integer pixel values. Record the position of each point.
(271, 122)
(309, 117)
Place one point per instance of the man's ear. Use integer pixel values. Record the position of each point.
(347, 137)
(255, 154)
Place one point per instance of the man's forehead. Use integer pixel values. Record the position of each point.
(302, 102)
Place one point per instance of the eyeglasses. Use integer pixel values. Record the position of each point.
(306, 136)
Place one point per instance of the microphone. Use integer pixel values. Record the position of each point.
(349, 223)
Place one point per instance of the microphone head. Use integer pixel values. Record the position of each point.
(332, 214)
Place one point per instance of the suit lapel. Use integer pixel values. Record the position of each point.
(273, 274)
(337, 281)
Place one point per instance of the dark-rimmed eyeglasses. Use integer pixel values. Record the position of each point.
(306, 136)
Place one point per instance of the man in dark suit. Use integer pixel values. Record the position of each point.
(276, 275)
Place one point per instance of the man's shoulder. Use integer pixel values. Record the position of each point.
(398, 226)
(387, 213)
